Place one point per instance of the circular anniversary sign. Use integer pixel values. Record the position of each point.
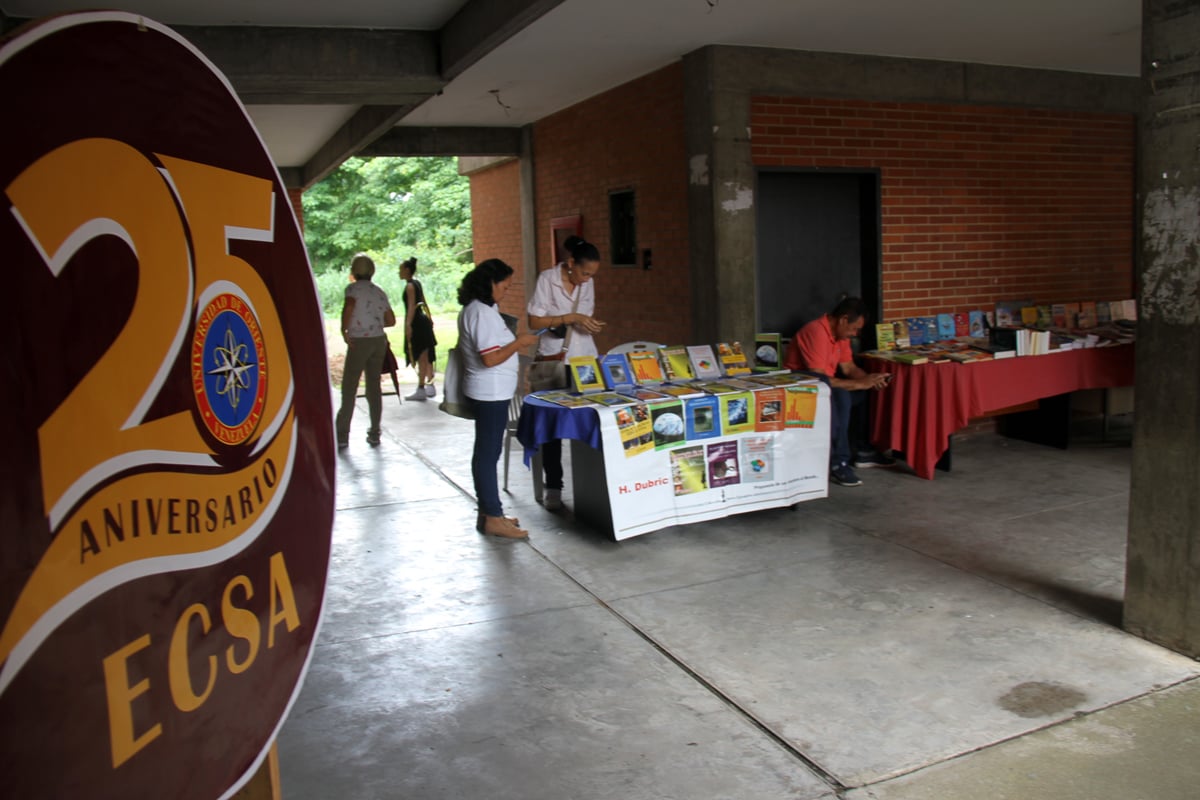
(166, 493)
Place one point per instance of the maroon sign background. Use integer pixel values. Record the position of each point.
(201, 573)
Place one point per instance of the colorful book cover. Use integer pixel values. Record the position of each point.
(633, 424)
(1029, 316)
(931, 329)
(758, 459)
(679, 389)
(1103, 313)
(666, 421)
(700, 417)
(611, 399)
(1008, 312)
(800, 406)
(1044, 319)
(737, 412)
(885, 336)
(733, 358)
(704, 362)
(768, 409)
(723, 464)
(688, 470)
(975, 324)
(675, 363)
(916, 331)
(645, 395)
(585, 373)
(787, 379)
(1129, 309)
(945, 327)
(614, 368)
(1072, 312)
(962, 324)
(645, 366)
(1087, 315)
(1058, 315)
(564, 399)
(715, 387)
(768, 351)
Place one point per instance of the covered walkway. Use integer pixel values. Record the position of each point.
(907, 639)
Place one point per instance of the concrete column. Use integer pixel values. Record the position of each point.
(1162, 596)
(720, 198)
(528, 213)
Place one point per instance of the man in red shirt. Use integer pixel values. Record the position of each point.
(823, 347)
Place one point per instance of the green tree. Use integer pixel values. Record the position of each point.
(391, 208)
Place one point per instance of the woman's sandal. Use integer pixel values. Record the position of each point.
(503, 527)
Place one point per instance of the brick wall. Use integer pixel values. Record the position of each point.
(496, 226)
(629, 137)
(978, 203)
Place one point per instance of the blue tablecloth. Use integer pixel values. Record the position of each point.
(542, 421)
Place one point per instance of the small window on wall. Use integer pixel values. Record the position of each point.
(622, 223)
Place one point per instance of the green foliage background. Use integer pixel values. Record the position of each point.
(391, 209)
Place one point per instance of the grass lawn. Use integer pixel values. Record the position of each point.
(445, 328)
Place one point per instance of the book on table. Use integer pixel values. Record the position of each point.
(703, 361)
(645, 366)
(614, 368)
(644, 394)
(1044, 320)
(733, 358)
(1103, 312)
(585, 373)
(916, 331)
(768, 351)
(975, 323)
(1087, 315)
(885, 336)
(675, 363)
(1008, 313)
(611, 399)
(962, 324)
(945, 327)
(564, 399)
(716, 387)
(679, 389)
(1029, 316)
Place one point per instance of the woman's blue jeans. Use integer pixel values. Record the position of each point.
(491, 418)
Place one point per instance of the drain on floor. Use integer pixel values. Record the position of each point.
(1037, 699)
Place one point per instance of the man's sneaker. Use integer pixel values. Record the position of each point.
(419, 394)
(843, 475)
(869, 458)
(430, 391)
(552, 500)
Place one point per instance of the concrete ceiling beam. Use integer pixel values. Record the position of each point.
(481, 26)
(323, 65)
(446, 142)
(367, 125)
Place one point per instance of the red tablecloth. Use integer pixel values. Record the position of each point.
(925, 404)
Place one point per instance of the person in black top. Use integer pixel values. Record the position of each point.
(419, 341)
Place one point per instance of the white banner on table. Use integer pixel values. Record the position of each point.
(709, 478)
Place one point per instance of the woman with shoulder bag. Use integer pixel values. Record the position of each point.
(419, 341)
(489, 354)
(563, 301)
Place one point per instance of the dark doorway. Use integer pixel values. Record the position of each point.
(818, 236)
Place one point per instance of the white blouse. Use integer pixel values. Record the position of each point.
(550, 299)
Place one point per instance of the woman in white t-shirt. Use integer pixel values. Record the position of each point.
(489, 352)
(564, 301)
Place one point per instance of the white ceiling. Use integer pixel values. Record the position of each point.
(584, 47)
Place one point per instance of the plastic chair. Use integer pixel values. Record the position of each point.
(514, 410)
(630, 347)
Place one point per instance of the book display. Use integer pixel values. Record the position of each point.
(1021, 328)
(768, 351)
(684, 434)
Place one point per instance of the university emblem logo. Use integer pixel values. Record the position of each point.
(166, 495)
(229, 368)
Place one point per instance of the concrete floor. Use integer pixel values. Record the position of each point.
(904, 639)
